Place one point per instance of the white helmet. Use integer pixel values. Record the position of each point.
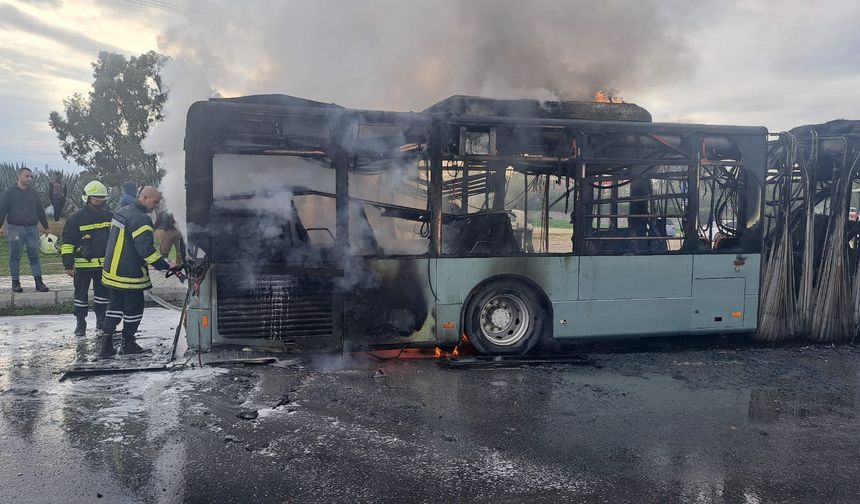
(48, 244)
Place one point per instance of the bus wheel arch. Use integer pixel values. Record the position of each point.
(506, 314)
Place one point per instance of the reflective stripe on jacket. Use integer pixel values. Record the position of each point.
(130, 249)
(85, 236)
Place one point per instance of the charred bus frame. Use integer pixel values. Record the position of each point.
(661, 233)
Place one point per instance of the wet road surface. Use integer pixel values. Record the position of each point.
(704, 420)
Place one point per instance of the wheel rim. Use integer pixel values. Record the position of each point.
(504, 319)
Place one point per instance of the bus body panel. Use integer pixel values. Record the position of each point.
(723, 297)
(723, 266)
(555, 275)
(391, 301)
(635, 277)
(621, 317)
(199, 321)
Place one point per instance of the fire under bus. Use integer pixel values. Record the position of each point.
(507, 222)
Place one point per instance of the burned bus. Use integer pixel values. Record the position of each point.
(507, 222)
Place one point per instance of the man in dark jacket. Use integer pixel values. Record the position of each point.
(85, 238)
(57, 195)
(129, 194)
(21, 208)
(130, 248)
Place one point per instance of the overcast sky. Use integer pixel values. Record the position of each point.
(776, 64)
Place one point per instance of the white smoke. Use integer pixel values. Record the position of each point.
(186, 83)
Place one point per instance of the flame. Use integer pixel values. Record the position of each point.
(601, 97)
(439, 353)
(608, 96)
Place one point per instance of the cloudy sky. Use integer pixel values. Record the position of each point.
(776, 64)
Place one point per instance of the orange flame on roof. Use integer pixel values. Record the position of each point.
(608, 96)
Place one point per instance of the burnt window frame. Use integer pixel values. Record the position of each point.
(750, 144)
(239, 126)
(560, 165)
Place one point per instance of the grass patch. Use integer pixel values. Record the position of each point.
(553, 223)
(560, 224)
(50, 263)
(56, 309)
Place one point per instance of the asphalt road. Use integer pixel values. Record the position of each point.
(703, 420)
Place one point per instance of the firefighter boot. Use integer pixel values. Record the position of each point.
(107, 351)
(100, 321)
(40, 285)
(81, 328)
(129, 346)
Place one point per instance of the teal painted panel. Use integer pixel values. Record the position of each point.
(718, 303)
(635, 277)
(456, 277)
(195, 333)
(719, 287)
(717, 313)
(448, 314)
(723, 266)
(629, 317)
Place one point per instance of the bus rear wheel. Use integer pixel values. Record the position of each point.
(504, 317)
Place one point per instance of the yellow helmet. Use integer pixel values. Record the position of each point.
(95, 188)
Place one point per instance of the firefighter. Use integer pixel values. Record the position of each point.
(85, 237)
(130, 249)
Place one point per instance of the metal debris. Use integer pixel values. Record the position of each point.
(505, 361)
(247, 414)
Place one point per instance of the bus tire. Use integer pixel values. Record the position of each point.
(504, 317)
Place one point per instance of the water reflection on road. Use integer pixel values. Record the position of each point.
(675, 422)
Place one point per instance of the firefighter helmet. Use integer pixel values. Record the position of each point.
(95, 189)
(48, 244)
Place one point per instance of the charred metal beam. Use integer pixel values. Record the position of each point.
(340, 163)
(434, 198)
(691, 226)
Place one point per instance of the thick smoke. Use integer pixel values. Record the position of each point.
(394, 55)
(398, 55)
(187, 83)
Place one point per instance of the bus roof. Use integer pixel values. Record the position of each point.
(205, 118)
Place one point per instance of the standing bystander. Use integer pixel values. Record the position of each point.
(57, 195)
(129, 194)
(169, 237)
(21, 208)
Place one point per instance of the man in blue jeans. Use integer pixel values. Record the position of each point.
(21, 208)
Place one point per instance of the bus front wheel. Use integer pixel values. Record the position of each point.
(504, 317)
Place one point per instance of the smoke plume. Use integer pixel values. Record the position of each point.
(394, 55)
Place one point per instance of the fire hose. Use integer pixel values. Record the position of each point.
(179, 272)
(161, 302)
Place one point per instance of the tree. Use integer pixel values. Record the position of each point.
(74, 182)
(103, 131)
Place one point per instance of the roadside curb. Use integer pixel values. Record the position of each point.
(63, 297)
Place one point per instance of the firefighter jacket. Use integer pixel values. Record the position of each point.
(130, 249)
(85, 237)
